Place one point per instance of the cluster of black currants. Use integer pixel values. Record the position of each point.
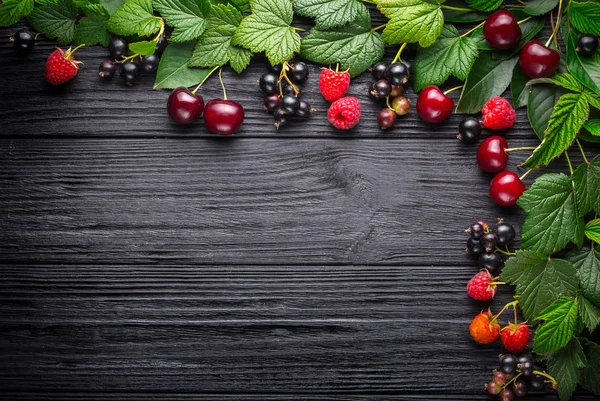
(484, 243)
(281, 86)
(516, 376)
(389, 84)
(131, 66)
(587, 45)
(23, 40)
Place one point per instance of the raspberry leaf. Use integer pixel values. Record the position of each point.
(566, 81)
(449, 55)
(588, 313)
(268, 29)
(55, 20)
(329, 13)
(539, 7)
(11, 11)
(593, 126)
(188, 17)
(143, 48)
(585, 16)
(112, 5)
(587, 186)
(411, 21)
(587, 263)
(585, 69)
(134, 17)
(564, 365)
(592, 229)
(484, 5)
(540, 104)
(355, 46)
(458, 15)
(173, 70)
(539, 281)
(92, 28)
(591, 373)
(559, 326)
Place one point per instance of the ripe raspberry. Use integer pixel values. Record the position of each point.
(61, 67)
(482, 287)
(333, 85)
(498, 114)
(344, 113)
(515, 337)
(484, 328)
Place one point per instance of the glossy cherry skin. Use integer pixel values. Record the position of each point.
(491, 154)
(223, 117)
(433, 106)
(184, 107)
(501, 30)
(537, 60)
(506, 188)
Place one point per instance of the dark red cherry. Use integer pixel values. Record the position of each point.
(501, 30)
(537, 60)
(184, 107)
(506, 188)
(491, 154)
(223, 117)
(433, 105)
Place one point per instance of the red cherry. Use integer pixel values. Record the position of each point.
(506, 188)
(501, 30)
(223, 117)
(492, 155)
(184, 107)
(538, 61)
(433, 106)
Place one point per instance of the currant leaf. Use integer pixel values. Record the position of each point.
(112, 5)
(484, 5)
(173, 70)
(559, 326)
(586, 179)
(592, 229)
(564, 365)
(593, 126)
(587, 263)
(329, 13)
(11, 11)
(588, 313)
(411, 21)
(55, 20)
(591, 373)
(188, 17)
(585, 16)
(134, 17)
(92, 28)
(143, 48)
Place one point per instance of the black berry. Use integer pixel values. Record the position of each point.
(525, 358)
(537, 382)
(130, 72)
(150, 63)
(272, 102)
(275, 69)
(288, 89)
(269, 83)
(410, 66)
(476, 230)
(520, 388)
(23, 40)
(506, 395)
(505, 233)
(396, 91)
(304, 109)
(386, 118)
(107, 69)
(474, 247)
(290, 104)
(508, 364)
(469, 130)
(526, 369)
(397, 74)
(378, 71)
(489, 241)
(298, 73)
(118, 47)
(491, 261)
(381, 89)
(587, 45)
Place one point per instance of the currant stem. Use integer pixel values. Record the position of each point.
(582, 152)
(547, 376)
(521, 148)
(456, 8)
(453, 89)
(397, 57)
(205, 78)
(283, 75)
(505, 252)
(511, 381)
(378, 27)
(569, 162)
(161, 30)
(222, 85)
(472, 30)
(525, 174)
(555, 30)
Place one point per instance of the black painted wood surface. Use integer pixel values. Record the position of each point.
(143, 261)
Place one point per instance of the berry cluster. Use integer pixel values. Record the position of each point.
(281, 88)
(516, 376)
(484, 243)
(389, 84)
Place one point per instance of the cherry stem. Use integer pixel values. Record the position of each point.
(508, 305)
(521, 148)
(582, 152)
(161, 31)
(456, 8)
(555, 30)
(524, 20)
(525, 174)
(205, 78)
(222, 85)
(399, 53)
(472, 30)
(453, 89)
(505, 252)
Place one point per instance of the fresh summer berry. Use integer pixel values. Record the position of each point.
(481, 287)
(396, 91)
(493, 388)
(476, 230)
(184, 107)
(378, 71)
(223, 117)
(499, 377)
(290, 104)
(272, 102)
(386, 118)
(401, 105)
(469, 130)
(474, 247)
(484, 328)
(107, 69)
(397, 74)
(298, 73)
(130, 72)
(501, 30)
(288, 89)
(486, 227)
(61, 67)
(304, 109)
(380, 89)
(23, 40)
(506, 395)
(537, 60)
(520, 388)
(333, 85)
(410, 66)
(508, 364)
(150, 63)
(161, 44)
(498, 114)
(433, 106)
(587, 45)
(118, 47)
(537, 382)
(344, 113)
(505, 232)
(269, 83)
(490, 261)
(275, 69)
(526, 368)
(491, 154)
(515, 337)
(489, 241)
(280, 122)
(506, 188)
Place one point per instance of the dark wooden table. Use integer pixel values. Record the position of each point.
(143, 261)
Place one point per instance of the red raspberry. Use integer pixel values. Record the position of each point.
(515, 337)
(498, 114)
(344, 113)
(333, 85)
(61, 67)
(484, 328)
(481, 287)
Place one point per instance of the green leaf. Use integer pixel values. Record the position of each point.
(587, 263)
(329, 13)
(239, 58)
(587, 186)
(564, 366)
(567, 118)
(559, 327)
(518, 88)
(592, 228)
(173, 70)
(588, 313)
(411, 21)
(454, 15)
(134, 17)
(552, 219)
(488, 78)
(92, 29)
(592, 98)
(585, 16)
(484, 5)
(143, 48)
(354, 46)
(188, 17)
(55, 20)
(268, 29)
(449, 55)
(539, 7)
(112, 5)
(539, 281)
(585, 69)
(11, 11)
(242, 5)
(590, 375)
(540, 104)
(567, 81)
(593, 126)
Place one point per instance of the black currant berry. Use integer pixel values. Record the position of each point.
(298, 73)
(476, 230)
(505, 233)
(525, 358)
(288, 89)
(506, 395)
(118, 47)
(275, 69)
(23, 40)
(304, 109)
(280, 122)
(130, 72)
(161, 44)
(489, 241)
(474, 247)
(537, 382)
(381, 89)
(269, 83)
(150, 63)
(397, 74)
(469, 130)
(378, 71)
(396, 91)
(410, 66)
(520, 388)
(290, 104)
(508, 364)
(491, 261)
(526, 369)
(587, 45)
(272, 102)
(107, 69)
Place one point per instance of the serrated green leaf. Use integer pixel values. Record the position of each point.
(355, 46)
(242, 5)
(143, 48)
(188, 17)
(134, 17)
(173, 70)
(239, 58)
(411, 21)
(488, 78)
(484, 5)
(587, 263)
(268, 29)
(449, 55)
(329, 13)
(539, 281)
(112, 5)
(11, 11)
(539, 7)
(564, 365)
(585, 69)
(559, 326)
(567, 81)
(540, 104)
(592, 228)
(55, 20)
(587, 186)
(585, 16)
(92, 29)
(588, 313)
(455, 14)
(519, 88)
(590, 375)
(593, 127)
(592, 98)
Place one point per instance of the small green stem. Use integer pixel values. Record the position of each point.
(399, 53)
(521, 148)
(508, 305)
(378, 27)
(205, 78)
(70, 52)
(161, 30)
(453, 89)
(515, 313)
(569, 162)
(524, 20)
(222, 85)
(547, 376)
(283, 75)
(504, 252)
(511, 381)
(298, 29)
(555, 30)
(456, 8)
(581, 150)
(525, 174)
(472, 30)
